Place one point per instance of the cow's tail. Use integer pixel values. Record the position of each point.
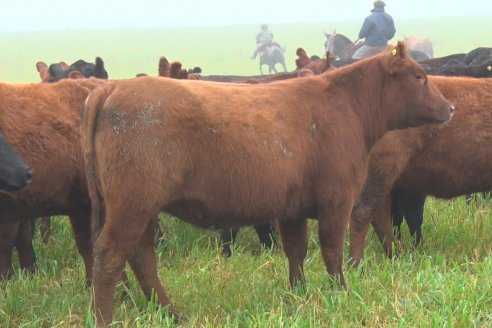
(93, 106)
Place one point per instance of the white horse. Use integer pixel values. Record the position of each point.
(271, 56)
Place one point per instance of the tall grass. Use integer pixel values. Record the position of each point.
(444, 283)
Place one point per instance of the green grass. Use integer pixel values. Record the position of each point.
(218, 50)
(446, 283)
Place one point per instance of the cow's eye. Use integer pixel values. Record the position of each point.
(421, 78)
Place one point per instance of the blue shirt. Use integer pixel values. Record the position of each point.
(378, 28)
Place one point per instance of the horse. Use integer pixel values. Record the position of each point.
(271, 56)
(420, 46)
(341, 46)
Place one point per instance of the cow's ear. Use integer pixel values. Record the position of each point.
(397, 55)
(75, 75)
(303, 59)
(41, 66)
(64, 65)
(163, 67)
(175, 70)
(99, 63)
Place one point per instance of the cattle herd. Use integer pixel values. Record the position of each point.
(346, 145)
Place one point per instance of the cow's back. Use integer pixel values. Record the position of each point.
(248, 141)
(42, 122)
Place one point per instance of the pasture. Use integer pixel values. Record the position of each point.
(444, 283)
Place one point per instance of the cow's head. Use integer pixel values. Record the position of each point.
(408, 96)
(14, 173)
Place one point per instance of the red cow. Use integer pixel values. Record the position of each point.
(41, 122)
(305, 67)
(441, 161)
(229, 155)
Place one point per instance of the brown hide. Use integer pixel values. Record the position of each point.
(443, 161)
(227, 155)
(317, 67)
(42, 122)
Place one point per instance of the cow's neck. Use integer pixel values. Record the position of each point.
(364, 84)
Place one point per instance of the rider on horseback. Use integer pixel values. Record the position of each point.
(264, 39)
(378, 29)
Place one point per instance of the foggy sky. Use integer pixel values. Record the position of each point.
(28, 15)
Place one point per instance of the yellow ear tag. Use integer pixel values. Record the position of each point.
(489, 68)
(394, 52)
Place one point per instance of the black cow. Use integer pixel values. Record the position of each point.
(79, 69)
(478, 55)
(264, 231)
(14, 173)
(456, 68)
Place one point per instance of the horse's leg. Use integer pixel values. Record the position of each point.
(285, 67)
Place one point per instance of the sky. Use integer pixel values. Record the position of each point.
(34, 15)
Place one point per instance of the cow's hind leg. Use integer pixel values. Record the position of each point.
(143, 263)
(81, 227)
(266, 235)
(228, 236)
(333, 222)
(119, 238)
(374, 210)
(396, 212)
(45, 228)
(414, 214)
(295, 243)
(383, 227)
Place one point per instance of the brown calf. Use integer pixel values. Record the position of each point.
(443, 161)
(42, 123)
(229, 155)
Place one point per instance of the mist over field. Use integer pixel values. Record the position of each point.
(31, 15)
(217, 35)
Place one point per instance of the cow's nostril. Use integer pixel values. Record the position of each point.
(28, 175)
(451, 109)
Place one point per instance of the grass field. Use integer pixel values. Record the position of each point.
(446, 283)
